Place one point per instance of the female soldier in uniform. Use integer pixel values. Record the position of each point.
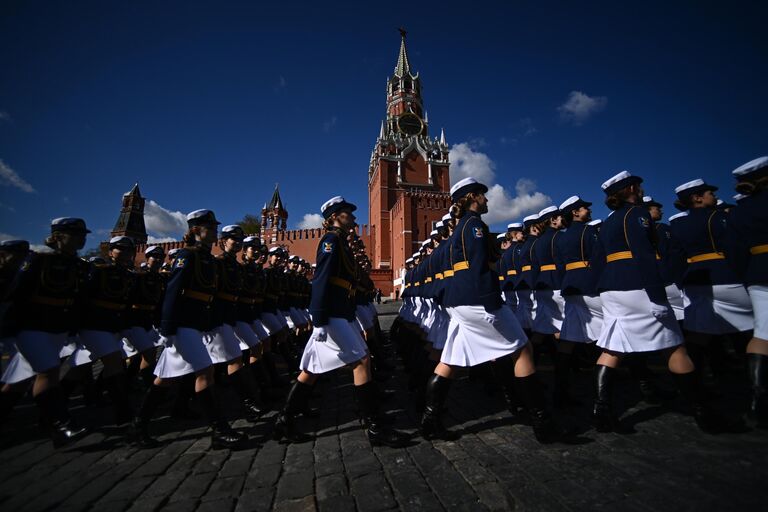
(636, 314)
(45, 303)
(481, 329)
(187, 324)
(335, 340)
(748, 252)
(526, 275)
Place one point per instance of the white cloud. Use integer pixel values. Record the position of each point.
(164, 223)
(160, 240)
(329, 124)
(579, 107)
(503, 206)
(9, 177)
(466, 162)
(311, 221)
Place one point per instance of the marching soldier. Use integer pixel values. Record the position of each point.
(46, 301)
(526, 273)
(481, 330)
(188, 322)
(747, 252)
(335, 341)
(636, 314)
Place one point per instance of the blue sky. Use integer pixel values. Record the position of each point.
(208, 104)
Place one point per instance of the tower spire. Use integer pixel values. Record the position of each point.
(403, 64)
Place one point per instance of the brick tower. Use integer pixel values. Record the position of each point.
(274, 218)
(408, 181)
(130, 223)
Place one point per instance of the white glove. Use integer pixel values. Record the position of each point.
(490, 318)
(659, 311)
(320, 334)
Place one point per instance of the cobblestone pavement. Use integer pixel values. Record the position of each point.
(666, 464)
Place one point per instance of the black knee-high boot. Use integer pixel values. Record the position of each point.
(147, 377)
(152, 399)
(504, 371)
(8, 400)
(378, 434)
(602, 412)
(241, 381)
(708, 419)
(562, 394)
(274, 376)
(117, 389)
(285, 425)
(185, 390)
(222, 435)
(638, 368)
(431, 423)
(545, 428)
(757, 366)
(53, 405)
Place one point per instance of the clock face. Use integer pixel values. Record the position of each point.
(410, 124)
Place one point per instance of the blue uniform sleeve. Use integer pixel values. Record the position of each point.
(180, 275)
(327, 260)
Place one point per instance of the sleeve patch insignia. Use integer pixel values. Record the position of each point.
(25, 266)
(327, 247)
(643, 222)
(478, 232)
(180, 262)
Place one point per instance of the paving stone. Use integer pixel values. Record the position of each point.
(295, 485)
(256, 500)
(372, 493)
(126, 490)
(224, 488)
(193, 487)
(146, 504)
(236, 467)
(330, 486)
(306, 504)
(180, 506)
(407, 483)
(493, 496)
(164, 485)
(211, 461)
(338, 504)
(185, 463)
(220, 505)
(263, 475)
(426, 502)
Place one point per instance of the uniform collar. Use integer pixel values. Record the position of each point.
(472, 213)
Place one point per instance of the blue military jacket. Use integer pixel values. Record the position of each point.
(672, 263)
(507, 267)
(108, 291)
(439, 264)
(702, 238)
(335, 280)
(627, 242)
(146, 299)
(251, 294)
(575, 255)
(230, 286)
(544, 251)
(747, 250)
(474, 282)
(48, 293)
(191, 289)
(527, 273)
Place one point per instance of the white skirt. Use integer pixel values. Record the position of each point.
(18, 370)
(758, 294)
(223, 346)
(675, 298)
(718, 309)
(364, 317)
(429, 315)
(472, 341)
(583, 319)
(629, 325)
(439, 331)
(526, 308)
(184, 353)
(273, 323)
(245, 335)
(41, 349)
(549, 312)
(344, 345)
